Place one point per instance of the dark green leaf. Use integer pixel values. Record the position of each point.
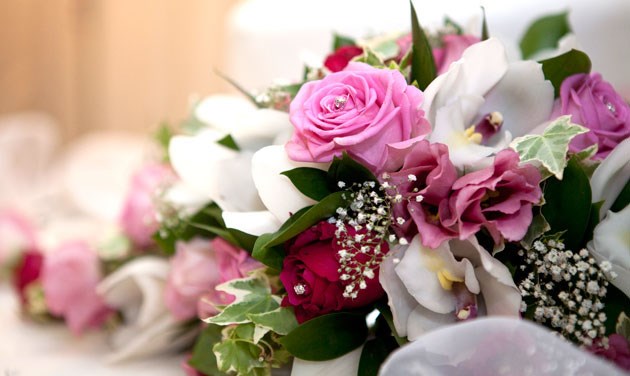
(243, 240)
(615, 303)
(562, 66)
(544, 33)
(449, 22)
(312, 182)
(326, 337)
(593, 220)
(374, 354)
(346, 170)
(422, 64)
(386, 312)
(484, 25)
(203, 359)
(623, 199)
(341, 40)
(229, 143)
(264, 250)
(568, 204)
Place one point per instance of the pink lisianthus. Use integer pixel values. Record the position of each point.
(453, 46)
(198, 267)
(498, 198)
(424, 181)
(339, 59)
(617, 350)
(69, 278)
(359, 110)
(138, 218)
(310, 275)
(594, 103)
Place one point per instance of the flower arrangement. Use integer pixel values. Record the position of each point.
(410, 190)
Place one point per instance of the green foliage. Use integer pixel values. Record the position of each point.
(326, 337)
(374, 354)
(568, 205)
(312, 182)
(229, 143)
(370, 57)
(342, 40)
(536, 229)
(387, 49)
(243, 357)
(163, 137)
(423, 68)
(623, 199)
(281, 320)
(623, 326)
(346, 170)
(544, 33)
(551, 147)
(485, 34)
(615, 303)
(203, 359)
(562, 66)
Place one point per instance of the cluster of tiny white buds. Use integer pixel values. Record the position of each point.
(565, 290)
(276, 97)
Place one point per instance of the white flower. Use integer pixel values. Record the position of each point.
(137, 290)
(481, 83)
(420, 286)
(611, 176)
(346, 365)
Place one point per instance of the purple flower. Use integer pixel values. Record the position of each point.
(498, 198)
(594, 103)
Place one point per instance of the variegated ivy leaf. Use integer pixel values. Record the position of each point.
(370, 57)
(623, 326)
(550, 148)
(281, 320)
(242, 357)
(253, 296)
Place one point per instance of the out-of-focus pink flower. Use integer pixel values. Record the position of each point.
(27, 271)
(453, 46)
(69, 278)
(16, 235)
(617, 351)
(404, 44)
(197, 268)
(594, 103)
(138, 217)
(498, 198)
(339, 59)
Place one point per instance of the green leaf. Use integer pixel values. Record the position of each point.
(568, 204)
(544, 33)
(229, 143)
(423, 68)
(386, 312)
(346, 170)
(203, 358)
(326, 337)
(484, 25)
(550, 148)
(449, 22)
(291, 89)
(371, 58)
(593, 220)
(242, 240)
(312, 182)
(536, 229)
(298, 222)
(281, 320)
(615, 303)
(374, 354)
(342, 40)
(623, 326)
(623, 199)
(163, 137)
(235, 355)
(560, 67)
(586, 153)
(387, 49)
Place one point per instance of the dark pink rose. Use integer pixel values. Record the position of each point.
(453, 46)
(424, 181)
(138, 218)
(359, 110)
(498, 198)
(197, 268)
(27, 271)
(593, 103)
(69, 278)
(617, 351)
(339, 59)
(310, 276)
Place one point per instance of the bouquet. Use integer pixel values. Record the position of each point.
(418, 204)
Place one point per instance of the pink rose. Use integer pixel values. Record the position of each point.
(339, 59)
(498, 198)
(424, 181)
(594, 103)
(69, 279)
(196, 269)
(453, 46)
(359, 110)
(617, 351)
(310, 276)
(27, 272)
(138, 218)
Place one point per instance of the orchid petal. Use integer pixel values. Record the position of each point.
(344, 365)
(422, 320)
(400, 301)
(611, 176)
(253, 223)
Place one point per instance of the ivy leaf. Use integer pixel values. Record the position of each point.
(253, 295)
(281, 320)
(544, 33)
(560, 67)
(326, 337)
(550, 148)
(623, 326)
(387, 49)
(423, 68)
(312, 182)
(203, 359)
(568, 204)
(235, 355)
(342, 40)
(370, 57)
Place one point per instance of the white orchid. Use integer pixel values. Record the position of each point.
(611, 237)
(346, 365)
(482, 101)
(421, 285)
(137, 290)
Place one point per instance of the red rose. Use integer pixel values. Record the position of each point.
(338, 60)
(310, 275)
(27, 271)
